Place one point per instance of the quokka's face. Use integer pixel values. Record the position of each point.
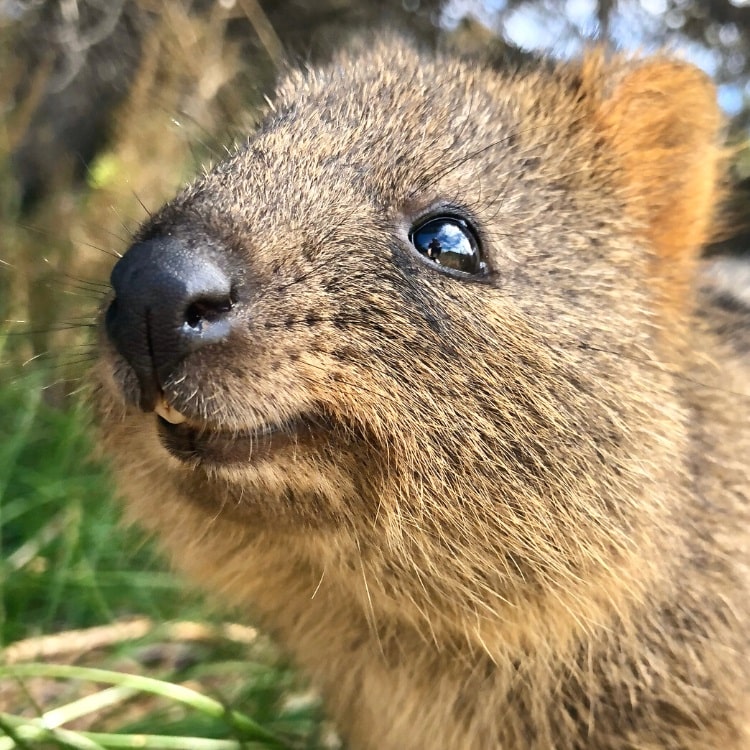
(372, 309)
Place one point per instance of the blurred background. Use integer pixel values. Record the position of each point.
(106, 108)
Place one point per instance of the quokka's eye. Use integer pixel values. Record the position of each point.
(450, 243)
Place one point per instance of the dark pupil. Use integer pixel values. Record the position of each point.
(448, 242)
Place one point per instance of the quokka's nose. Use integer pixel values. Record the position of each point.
(170, 300)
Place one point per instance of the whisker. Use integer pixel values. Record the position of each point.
(51, 329)
(659, 367)
(463, 158)
(83, 293)
(85, 283)
(142, 204)
(56, 358)
(50, 235)
(122, 240)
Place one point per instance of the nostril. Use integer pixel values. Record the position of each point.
(207, 309)
(171, 298)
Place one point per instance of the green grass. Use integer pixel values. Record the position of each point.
(66, 564)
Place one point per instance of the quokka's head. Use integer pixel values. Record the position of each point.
(425, 305)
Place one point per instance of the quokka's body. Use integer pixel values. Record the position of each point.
(426, 376)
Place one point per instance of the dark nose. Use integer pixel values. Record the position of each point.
(170, 300)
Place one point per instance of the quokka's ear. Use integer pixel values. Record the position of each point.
(661, 120)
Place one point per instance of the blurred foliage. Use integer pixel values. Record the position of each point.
(715, 34)
(59, 566)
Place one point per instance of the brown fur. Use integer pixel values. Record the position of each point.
(520, 520)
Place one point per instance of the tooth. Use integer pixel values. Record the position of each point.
(165, 411)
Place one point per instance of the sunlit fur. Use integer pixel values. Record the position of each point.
(523, 520)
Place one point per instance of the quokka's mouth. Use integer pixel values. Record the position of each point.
(190, 443)
(168, 413)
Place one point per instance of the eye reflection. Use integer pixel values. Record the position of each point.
(449, 242)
